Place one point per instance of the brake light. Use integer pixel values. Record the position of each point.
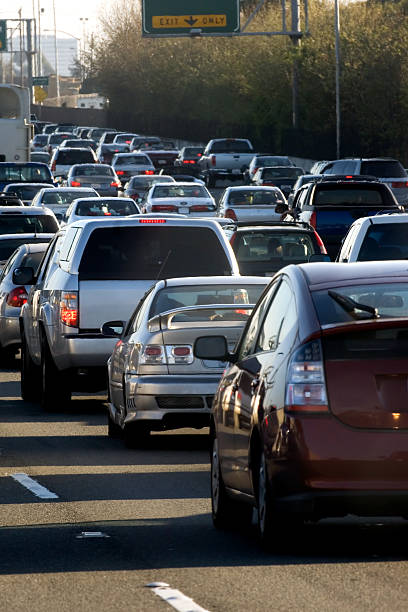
(233, 237)
(320, 243)
(53, 166)
(153, 355)
(75, 184)
(179, 355)
(169, 354)
(201, 208)
(120, 172)
(164, 208)
(230, 214)
(399, 184)
(254, 170)
(128, 141)
(312, 220)
(152, 220)
(149, 171)
(268, 183)
(305, 380)
(69, 312)
(213, 159)
(17, 297)
(115, 184)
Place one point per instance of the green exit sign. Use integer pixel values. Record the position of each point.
(3, 35)
(161, 17)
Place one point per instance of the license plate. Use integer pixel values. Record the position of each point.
(236, 171)
(184, 211)
(97, 186)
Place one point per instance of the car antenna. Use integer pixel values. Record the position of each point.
(163, 265)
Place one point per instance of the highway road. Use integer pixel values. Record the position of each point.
(109, 521)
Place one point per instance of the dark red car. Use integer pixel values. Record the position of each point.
(311, 416)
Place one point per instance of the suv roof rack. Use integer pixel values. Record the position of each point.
(273, 224)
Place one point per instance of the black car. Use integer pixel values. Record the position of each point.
(262, 250)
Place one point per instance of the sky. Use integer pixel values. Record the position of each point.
(68, 14)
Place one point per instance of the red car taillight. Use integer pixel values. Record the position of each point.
(149, 172)
(312, 220)
(75, 184)
(213, 159)
(53, 166)
(305, 380)
(164, 208)
(69, 311)
(120, 172)
(320, 243)
(268, 183)
(399, 184)
(230, 214)
(202, 208)
(17, 297)
(115, 184)
(169, 354)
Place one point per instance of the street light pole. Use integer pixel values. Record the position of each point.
(56, 50)
(337, 52)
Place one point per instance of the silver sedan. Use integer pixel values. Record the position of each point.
(100, 177)
(182, 198)
(155, 382)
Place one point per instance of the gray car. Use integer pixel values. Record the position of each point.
(100, 177)
(155, 382)
(127, 165)
(23, 250)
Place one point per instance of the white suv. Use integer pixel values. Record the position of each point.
(376, 239)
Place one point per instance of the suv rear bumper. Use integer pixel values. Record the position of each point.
(83, 350)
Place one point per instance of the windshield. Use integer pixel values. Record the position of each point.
(176, 191)
(177, 297)
(390, 300)
(243, 197)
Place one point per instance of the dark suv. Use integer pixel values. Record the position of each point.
(332, 204)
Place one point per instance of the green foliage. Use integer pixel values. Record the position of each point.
(198, 88)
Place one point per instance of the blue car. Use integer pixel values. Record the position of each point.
(24, 172)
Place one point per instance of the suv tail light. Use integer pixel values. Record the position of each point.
(69, 311)
(213, 159)
(53, 166)
(75, 184)
(164, 208)
(17, 297)
(399, 184)
(305, 381)
(320, 243)
(312, 220)
(230, 214)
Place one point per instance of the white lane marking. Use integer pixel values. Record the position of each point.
(91, 534)
(175, 598)
(34, 486)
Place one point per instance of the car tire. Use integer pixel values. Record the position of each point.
(54, 383)
(114, 431)
(7, 356)
(30, 375)
(226, 512)
(136, 435)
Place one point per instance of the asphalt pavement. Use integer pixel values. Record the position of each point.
(119, 520)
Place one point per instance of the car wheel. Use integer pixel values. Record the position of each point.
(226, 512)
(136, 435)
(30, 375)
(54, 389)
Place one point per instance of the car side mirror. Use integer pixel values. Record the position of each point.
(213, 348)
(23, 276)
(113, 329)
(319, 257)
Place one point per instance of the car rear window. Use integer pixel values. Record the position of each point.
(390, 299)
(96, 170)
(287, 172)
(68, 158)
(332, 195)
(231, 146)
(151, 253)
(25, 193)
(133, 160)
(64, 197)
(7, 247)
(385, 241)
(272, 160)
(261, 246)
(176, 191)
(39, 173)
(27, 224)
(105, 208)
(252, 197)
(383, 168)
(178, 297)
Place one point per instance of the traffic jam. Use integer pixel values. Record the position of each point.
(257, 307)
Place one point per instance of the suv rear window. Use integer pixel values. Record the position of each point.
(356, 195)
(152, 253)
(40, 173)
(383, 168)
(68, 158)
(231, 146)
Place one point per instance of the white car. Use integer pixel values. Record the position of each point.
(376, 238)
(181, 198)
(83, 208)
(58, 199)
(127, 165)
(249, 204)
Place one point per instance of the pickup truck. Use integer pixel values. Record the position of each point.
(225, 158)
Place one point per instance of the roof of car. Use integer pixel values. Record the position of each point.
(254, 187)
(338, 273)
(387, 218)
(279, 227)
(9, 186)
(27, 236)
(79, 189)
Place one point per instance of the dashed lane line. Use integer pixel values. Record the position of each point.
(176, 599)
(33, 486)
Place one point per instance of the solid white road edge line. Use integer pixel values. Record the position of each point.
(175, 598)
(33, 486)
